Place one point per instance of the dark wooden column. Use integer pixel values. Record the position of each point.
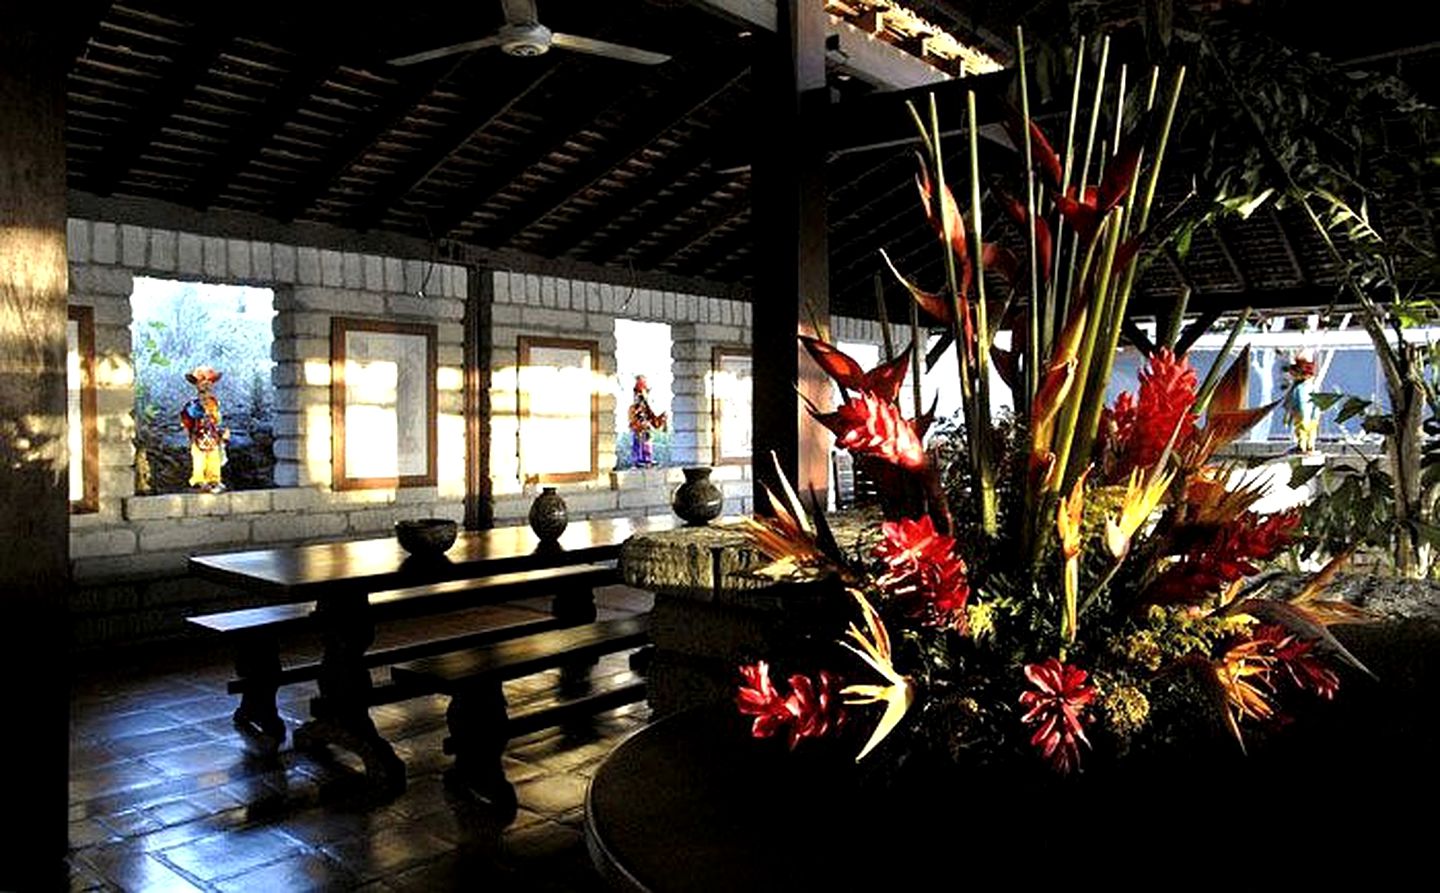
(479, 499)
(34, 525)
(792, 293)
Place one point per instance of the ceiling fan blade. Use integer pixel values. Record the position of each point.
(520, 12)
(605, 48)
(466, 47)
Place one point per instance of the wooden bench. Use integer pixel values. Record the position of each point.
(478, 717)
(256, 633)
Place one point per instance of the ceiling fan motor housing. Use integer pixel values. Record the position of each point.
(525, 39)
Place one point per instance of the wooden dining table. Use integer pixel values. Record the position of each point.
(340, 576)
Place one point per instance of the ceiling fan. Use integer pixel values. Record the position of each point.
(523, 35)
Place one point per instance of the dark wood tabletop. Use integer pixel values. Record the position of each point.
(299, 573)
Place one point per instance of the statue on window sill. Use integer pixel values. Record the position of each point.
(1301, 413)
(203, 424)
(643, 420)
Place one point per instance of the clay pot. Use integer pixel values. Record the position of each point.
(698, 501)
(548, 515)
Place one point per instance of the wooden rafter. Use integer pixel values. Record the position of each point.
(678, 198)
(1229, 255)
(725, 210)
(587, 93)
(358, 141)
(206, 40)
(484, 108)
(1300, 275)
(294, 89)
(715, 79)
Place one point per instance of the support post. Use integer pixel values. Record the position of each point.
(791, 293)
(34, 575)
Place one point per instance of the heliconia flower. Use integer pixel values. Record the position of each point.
(1139, 502)
(1226, 557)
(1237, 674)
(1057, 709)
(883, 381)
(869, 426)
(948, 224)
(899, 692)
(1068, 516)
(1298, 657)
(923, 571)
(1138, 430)
(809, 711)
(1084, 212)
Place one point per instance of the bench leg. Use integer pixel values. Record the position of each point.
(344, 719)
(478, 734)
(573, 608)
(257, 665)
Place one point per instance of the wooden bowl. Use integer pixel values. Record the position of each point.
(426, 536)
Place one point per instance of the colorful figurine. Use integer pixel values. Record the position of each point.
(1301, 413)
(642, 420)
(201, 418)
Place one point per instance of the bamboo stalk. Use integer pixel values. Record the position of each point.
(884, 316)
(989, 511)
(1032, 355)
(1065, 470)
(1089, 148)
(1060, 302)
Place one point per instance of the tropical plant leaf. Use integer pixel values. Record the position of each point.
(1352, 407)
(933, 304)
(1326, 399)
(1301, 474)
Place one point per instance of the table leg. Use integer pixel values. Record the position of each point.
(341, 715)
(257, 667)
(478, 734)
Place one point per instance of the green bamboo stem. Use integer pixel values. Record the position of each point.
(1089, 148)
(1212, 378)
(1070, 413)
(1120, 305)
(884, 316)
(1060, 301)
(989, 505)
(1032, 355)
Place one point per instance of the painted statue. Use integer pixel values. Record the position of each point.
(1301, 413)
(642, 421)
(201, 419)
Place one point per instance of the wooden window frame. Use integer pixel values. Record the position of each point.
(523, 347)
(716, 353)
(89, 436)
(339, 327)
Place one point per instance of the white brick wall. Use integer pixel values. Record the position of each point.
(310, 287)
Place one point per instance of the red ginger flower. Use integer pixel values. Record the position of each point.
(923, 571)
(1057, 709)
(1138, 430)
(810, 710)
(1305, 668)
(867, 425)
(1229, 555)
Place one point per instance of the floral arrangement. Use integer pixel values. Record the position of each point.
(1075, 578)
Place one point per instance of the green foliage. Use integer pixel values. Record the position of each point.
(1353, 506)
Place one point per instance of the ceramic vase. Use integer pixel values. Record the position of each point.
(548, 515)
(698, 501)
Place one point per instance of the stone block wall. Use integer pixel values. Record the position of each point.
(128, 558)
(530, 305)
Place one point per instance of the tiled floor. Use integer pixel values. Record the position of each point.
(165, 796)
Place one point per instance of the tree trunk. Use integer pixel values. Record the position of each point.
(1412, 552)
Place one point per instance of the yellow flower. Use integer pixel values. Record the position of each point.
(1140, 501)
(1067, 522)
(875, 651)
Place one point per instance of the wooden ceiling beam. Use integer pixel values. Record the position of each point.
(588, 92)
(487, 104)
(309, 73)
(691, 96)
(685, 236)
(357, 142)
(207, 38)
(666, 207)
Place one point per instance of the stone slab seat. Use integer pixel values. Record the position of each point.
(256, 632)
(478, 718)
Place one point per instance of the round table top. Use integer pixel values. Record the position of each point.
(692, 803)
